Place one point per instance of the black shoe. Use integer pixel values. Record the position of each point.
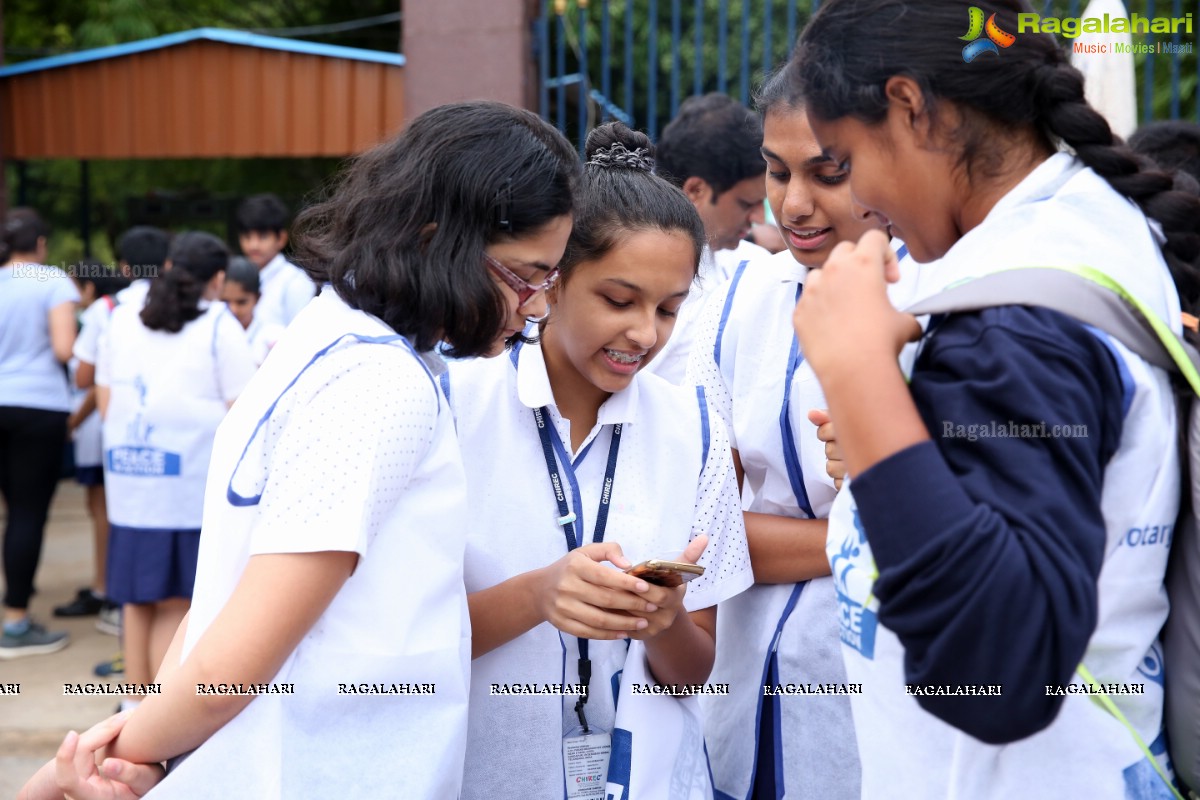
(85, 604)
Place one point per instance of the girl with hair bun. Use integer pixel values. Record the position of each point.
(166, 374)
(642, 470)
(980, 575)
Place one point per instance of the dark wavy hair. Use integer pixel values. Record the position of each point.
(712, 137)
(174, 299)
(1173, 144)
(1031, 86)
(620, 195)
(403, 233)
(20, 230)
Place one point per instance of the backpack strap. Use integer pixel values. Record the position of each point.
(1084, 294)
(1095, 299)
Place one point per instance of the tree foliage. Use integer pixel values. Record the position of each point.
(200, 192)
(643, 30)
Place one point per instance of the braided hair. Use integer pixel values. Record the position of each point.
(1031, 85)
(619, 194)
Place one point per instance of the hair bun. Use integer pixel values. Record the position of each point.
(615, 145)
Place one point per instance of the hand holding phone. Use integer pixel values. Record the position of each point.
(661, 572)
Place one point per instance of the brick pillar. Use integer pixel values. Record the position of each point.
(468, 50)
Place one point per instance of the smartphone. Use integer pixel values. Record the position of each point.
(665, 573)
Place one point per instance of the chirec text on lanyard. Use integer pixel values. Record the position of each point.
(568, 519)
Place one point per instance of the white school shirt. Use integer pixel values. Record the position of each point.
(94, 319)
(168, 394)
(665, 492)
(85, 438)
(284, 290)
(1060, 214)
(262, 336)
(741, 357)
(360, 456)
(716, 268)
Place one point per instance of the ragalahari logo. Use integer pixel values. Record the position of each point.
(996, 38)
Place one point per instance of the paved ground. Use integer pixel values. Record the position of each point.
(34, 722)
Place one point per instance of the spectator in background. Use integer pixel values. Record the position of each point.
(96, 287)
(262, 234)
(141, 252)
(241, 294)
(711, 151)
(37, 330)
(168, 373)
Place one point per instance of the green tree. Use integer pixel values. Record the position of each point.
(41, 28)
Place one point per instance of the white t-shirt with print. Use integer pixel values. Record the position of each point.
(168, 394)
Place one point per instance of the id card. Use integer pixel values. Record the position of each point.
(585, 763)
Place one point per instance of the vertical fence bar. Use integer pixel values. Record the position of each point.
(1176, 59)
(629, 60)
(561, 66)
(791, 23)
(1148, 75)
(675, 35)
(581, 9)
(1074, 9)
(745, 76)
(605, 66)
(543, 30)
(652, 78)
(768, 58)
(698, 55)
(722, 24)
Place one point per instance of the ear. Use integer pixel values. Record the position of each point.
(697, 190)
(906, 103)
(283, 239)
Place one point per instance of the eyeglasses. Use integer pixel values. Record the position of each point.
(524, 289)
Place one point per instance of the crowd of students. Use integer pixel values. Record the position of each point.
(431, 563)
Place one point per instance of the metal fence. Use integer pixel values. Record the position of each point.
(637, 60)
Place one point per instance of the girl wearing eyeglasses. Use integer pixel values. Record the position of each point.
(328, 642)
(579, 467)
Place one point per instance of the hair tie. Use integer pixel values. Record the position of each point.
(617, 155)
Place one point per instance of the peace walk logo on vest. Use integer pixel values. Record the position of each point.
(997, 38)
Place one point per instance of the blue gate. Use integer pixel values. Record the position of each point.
(637, 60)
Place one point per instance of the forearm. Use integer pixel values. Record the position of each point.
(85, 409)
(856, 391)
(179, 720)
(683, 653)
(786, 550)
(102, 396)
(503, 612)
(248, 642)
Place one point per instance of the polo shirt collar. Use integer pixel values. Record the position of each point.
(533, 387)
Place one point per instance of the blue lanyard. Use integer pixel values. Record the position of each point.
(567, 518)
(791, 457)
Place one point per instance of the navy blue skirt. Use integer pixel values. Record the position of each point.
(89, 476)
(146, 565)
